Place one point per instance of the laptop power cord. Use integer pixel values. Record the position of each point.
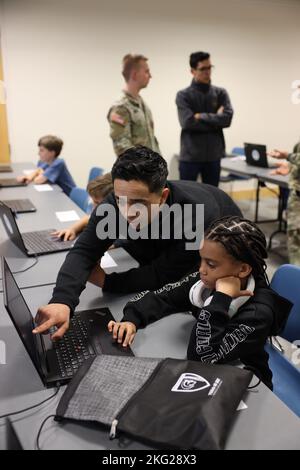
(30, 407)
(26, 269)
(40, 431)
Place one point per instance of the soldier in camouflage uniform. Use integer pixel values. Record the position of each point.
(130, 118)
(293, 210)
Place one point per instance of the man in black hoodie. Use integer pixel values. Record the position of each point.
(203, 111)
(235, 309)
(140, 185)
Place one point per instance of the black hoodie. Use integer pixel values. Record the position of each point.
(215, 337)
(163, 259)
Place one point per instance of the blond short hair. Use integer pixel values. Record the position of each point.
(131, 62)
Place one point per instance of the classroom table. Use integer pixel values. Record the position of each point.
(238, 166)
(266, 423)
(48, 204)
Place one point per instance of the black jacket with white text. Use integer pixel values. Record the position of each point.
(216, 338)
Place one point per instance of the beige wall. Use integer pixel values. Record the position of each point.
(62, 69)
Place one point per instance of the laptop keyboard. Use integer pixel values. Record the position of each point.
(74, 348)
(41, 242)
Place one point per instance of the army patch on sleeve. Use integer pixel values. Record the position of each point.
(114, 117)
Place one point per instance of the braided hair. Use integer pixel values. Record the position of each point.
(243, 240)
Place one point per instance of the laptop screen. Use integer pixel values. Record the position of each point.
(256, 155)
(19, 313)
(11, 228)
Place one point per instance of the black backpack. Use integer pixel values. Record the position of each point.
(167, 402)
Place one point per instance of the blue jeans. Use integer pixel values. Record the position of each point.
(210, 171)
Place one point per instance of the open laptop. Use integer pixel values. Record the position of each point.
(31, 243)
(56, 363)
(256, 155)
(5, 168)
(20, 206)
(11, 183)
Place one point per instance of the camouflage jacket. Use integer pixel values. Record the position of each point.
(131, 124)
(294, 159)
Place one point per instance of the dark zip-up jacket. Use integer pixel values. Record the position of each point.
(203, 140)
(162, 260)
(215, 337)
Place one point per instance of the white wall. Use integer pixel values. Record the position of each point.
(62, 61)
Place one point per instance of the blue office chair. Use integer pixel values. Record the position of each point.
(238, 151)
(94, 172)
(286, 377)
(81, 197)
(286, 282)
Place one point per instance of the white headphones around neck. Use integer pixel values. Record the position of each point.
(198, 290)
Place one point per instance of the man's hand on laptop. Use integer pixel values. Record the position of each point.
(278, 154)
(122, 331)
(53, 315)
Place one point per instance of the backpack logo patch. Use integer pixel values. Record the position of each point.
(189, 382)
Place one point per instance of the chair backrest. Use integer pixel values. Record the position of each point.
(81, 197)
(238, 150)
(286, 378)
(94, 172)
(286, 282)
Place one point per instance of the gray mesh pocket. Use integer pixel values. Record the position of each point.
(107, 386)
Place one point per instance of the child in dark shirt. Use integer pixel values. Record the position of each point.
(235, 309)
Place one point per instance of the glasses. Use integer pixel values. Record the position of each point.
(205, 69)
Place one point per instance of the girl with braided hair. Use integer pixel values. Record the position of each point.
(230, 298)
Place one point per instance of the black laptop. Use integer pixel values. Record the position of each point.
(11, 183)
(57, 362)
(5, 168)
(41, 242)
(256, 155)
(20, 206)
